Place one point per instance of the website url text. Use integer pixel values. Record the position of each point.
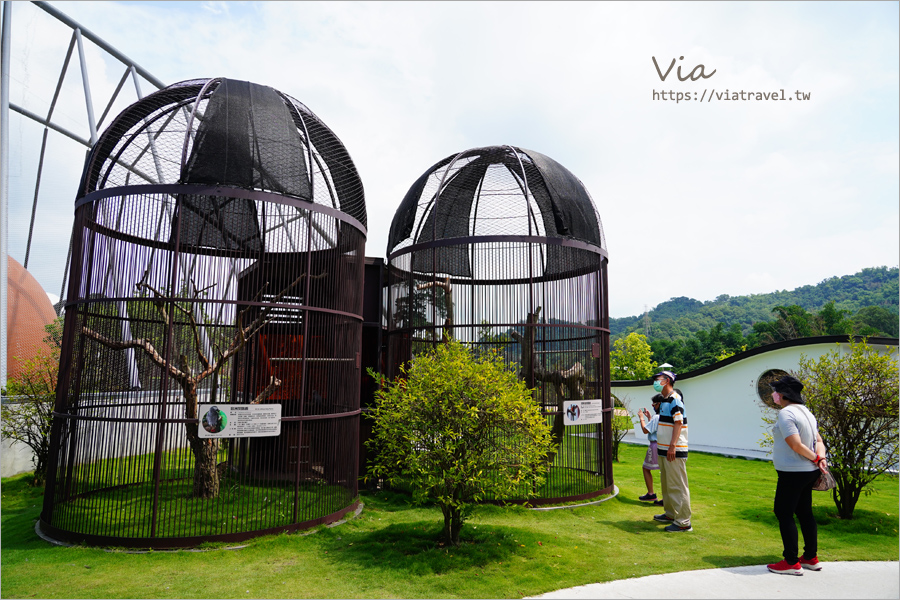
(729, 96)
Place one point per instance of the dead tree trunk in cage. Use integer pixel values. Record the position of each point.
(205, 450)
(568, 384)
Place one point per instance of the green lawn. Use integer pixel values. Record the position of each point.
(389, 550)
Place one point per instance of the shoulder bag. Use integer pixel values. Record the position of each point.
(825, 481)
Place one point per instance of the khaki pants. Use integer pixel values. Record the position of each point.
(675, 492)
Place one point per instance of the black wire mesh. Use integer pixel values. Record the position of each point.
(503, 249)
(186, 291)
(190, 133)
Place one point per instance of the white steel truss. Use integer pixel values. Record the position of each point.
(51, 109)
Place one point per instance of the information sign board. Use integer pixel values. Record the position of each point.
(239, 420)
(582, 412)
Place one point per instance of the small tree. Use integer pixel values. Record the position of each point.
(631, 358)
(854, 396)
(459, 429)
(621, 425)
(29, 420)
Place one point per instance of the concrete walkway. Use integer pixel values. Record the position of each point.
(835, 580)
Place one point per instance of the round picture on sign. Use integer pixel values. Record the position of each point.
(573, 412)
(214, 420)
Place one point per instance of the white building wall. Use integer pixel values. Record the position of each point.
(722, 406)
(15, 458)
(110, 440)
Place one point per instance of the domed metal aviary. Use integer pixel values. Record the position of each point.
(503, 249)
(209, 380)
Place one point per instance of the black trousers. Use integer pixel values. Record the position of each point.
(793, 496)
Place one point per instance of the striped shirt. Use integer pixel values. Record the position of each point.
(671, 411)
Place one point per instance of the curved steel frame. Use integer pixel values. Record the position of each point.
(215, 190)
(171, 543)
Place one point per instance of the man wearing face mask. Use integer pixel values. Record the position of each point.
(672, 444)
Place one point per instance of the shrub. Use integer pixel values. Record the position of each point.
(30, 418)
(854, 396)
(458, 429)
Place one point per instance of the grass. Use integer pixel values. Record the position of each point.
(247, 507)
(390, 549)
(124, 508)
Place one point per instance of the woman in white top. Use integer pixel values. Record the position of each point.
(799, 455)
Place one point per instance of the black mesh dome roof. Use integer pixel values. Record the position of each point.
(483, 191)
(227, 133)
(502, 249)
(491, 193)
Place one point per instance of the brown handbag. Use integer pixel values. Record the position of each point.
(825, 481)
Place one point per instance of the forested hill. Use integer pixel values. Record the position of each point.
(683, 317)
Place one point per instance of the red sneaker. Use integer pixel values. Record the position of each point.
(783, 568)
(812, 564)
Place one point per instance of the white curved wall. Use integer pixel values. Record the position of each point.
(722, 406)
(15, 458)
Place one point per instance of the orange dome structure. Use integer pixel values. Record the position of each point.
(28, 312)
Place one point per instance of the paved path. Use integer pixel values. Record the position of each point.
(835, 580)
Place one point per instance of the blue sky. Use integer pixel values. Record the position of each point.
(697, 199)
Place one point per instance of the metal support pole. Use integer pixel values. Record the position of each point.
(87, 88)
(37, 190)
(97, 40)
(37, 183)
(4, 183)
